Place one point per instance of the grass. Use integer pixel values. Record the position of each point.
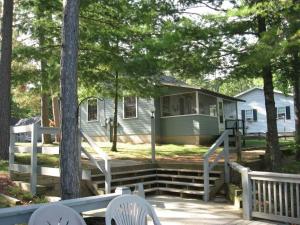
(143, 151)
(261, 143)
(43, 159)
(3, 166)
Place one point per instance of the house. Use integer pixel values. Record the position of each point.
(253, 111)
(183, 114)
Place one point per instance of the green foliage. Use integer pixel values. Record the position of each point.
(120, 37)
(3, 166)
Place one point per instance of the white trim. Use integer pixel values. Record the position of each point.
(97, 113)
(197, 102)
(163, 117)
(261, 89)
(136, 109)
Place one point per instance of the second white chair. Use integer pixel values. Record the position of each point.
(130, 210)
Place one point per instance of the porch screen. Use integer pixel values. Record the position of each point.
(130, 107)
(182, 104)
(207, 105)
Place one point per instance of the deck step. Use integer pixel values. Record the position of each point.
(185, 176)
(179, 183)
(188, 171)
(193, 192)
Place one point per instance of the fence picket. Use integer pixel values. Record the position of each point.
(264, 197)
(280, 198)
(286, 207)
(269, 197)
(254, 194)
(292, 199)
(259, 195)
(298, 200)
(275, 197)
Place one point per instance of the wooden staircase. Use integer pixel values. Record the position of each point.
(185, 182)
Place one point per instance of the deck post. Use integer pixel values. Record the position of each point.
(107, 177)
(247, 203)
(206, 179)
(33, 177)
(11, 148)
(123, 190)
(226, 158)
(153, 138)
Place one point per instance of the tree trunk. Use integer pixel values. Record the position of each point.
(56, 115)
(296, 86)
(69, 151)
(115, 122)
(45, 117)
(5, 77)
(273, 154)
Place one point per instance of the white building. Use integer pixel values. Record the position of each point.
(253, 111)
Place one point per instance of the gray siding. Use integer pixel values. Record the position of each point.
(140, 125)
(189, 125)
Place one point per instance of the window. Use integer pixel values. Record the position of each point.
(92, 110)
(281, 112)
(221, 113)
(249, 115)
(129, 107)
(182, 104)
(207, 105)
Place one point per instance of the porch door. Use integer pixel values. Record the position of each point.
(221, 119)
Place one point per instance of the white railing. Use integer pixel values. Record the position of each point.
(21, 214)
(272, 196)
(208, 166)
(34, 170)
(106, 169)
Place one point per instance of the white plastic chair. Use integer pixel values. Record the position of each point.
(55, 214)
(130, 210)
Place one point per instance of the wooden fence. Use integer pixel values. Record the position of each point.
(35, 130)
(272, 196)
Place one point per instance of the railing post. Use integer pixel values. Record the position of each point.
(153, 139)
(206, 179)
(107, 177)
(123, 190)
(11, 148)
(33, 177)
(226, 158)
(247, 190)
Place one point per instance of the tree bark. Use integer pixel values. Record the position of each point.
(296, 87)
(56, 115)
(69, 151)
(45, 117)
(115, 122)
(273, 154)
(5, 77)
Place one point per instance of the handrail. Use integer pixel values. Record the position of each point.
(21, 214)
(107, 167)
(207, 166)
(95, 147)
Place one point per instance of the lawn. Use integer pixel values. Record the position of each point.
(261, 142)
(143, 151)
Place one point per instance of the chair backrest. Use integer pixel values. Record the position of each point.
(55, 214)
(130, 210)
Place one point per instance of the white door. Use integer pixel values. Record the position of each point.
(221, 119)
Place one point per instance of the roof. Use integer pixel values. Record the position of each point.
(176, 83)
(261, 89)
